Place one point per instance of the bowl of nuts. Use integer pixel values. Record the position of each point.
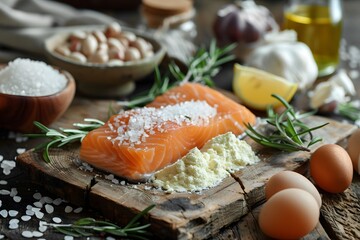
(105, 60)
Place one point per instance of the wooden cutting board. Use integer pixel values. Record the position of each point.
(176, 215)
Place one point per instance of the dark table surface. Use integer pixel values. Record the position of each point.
(17, 193)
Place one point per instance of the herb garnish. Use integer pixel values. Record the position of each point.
(201, 68)
(350, 110)
(289, 132)
(86, 227)
(64, 136)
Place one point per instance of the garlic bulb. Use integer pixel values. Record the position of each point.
(289, 59)
(243, 22)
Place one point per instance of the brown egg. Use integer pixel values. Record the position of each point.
(289, 214)
(353, 149)
(290, 179)
(331, 168)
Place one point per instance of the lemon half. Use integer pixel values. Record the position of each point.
(254, 87)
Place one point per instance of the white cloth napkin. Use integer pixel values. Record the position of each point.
(24, 24)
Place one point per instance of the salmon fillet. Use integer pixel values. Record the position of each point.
(136, 143)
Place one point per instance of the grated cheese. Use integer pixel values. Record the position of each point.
(144, 122)
(205, 168)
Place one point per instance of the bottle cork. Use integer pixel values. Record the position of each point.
(156, 11)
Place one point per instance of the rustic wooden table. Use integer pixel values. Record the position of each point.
(340, 213)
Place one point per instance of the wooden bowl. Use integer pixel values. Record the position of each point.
(19, 112)
(102, 80)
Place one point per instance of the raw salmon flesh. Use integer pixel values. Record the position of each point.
(136, 143)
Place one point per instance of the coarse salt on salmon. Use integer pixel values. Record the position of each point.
(136, 143)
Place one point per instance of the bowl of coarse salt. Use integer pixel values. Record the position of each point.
(105, 60)
(33, 91)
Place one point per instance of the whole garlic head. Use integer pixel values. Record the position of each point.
(291, 60)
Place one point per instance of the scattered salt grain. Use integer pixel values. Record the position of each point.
(46, 200)
(68, 238)
(49, 209)
(30, 78)
(2, 236)
(30, 212)
(35, 209)
(122, 183)
(17, 199)
(4, 213)
(13, 192)
(68, 209)
(37, 234)
(27, 234)
(3, 182)
(25, 218)
(37, 196)
(20, 150)
(109, 177)
(57, 201)
(7, 166)
(12, 221)
(13, 213)
(0, 203)
(6, 171)
(39, 215)
(78, 210)
(57, 220)
(42, 228)
(14, 224)
(110, 238)
(38, 204)
(1, 157)
(86, 167)
(115, 181)
(4, 192)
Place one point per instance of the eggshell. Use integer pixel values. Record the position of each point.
(290, 179)
(289, 214)
(353, 149)
(331, 168)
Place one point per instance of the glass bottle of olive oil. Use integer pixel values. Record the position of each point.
(318, 23)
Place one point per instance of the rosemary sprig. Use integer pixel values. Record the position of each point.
(86, 227)
(63, 136)
(350, 110)
(202, 67)
(289, 132)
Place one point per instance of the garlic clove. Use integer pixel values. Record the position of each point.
(326, 92)
(343, 80)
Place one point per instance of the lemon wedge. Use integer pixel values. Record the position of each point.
(254, 87)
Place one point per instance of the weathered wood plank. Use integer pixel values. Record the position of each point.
(341, 212)
(176, 215)
(248, 229)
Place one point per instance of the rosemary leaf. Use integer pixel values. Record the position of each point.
(62, 137)
(203, 66)
(349, 110)
(288, 133)
(87, 227)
